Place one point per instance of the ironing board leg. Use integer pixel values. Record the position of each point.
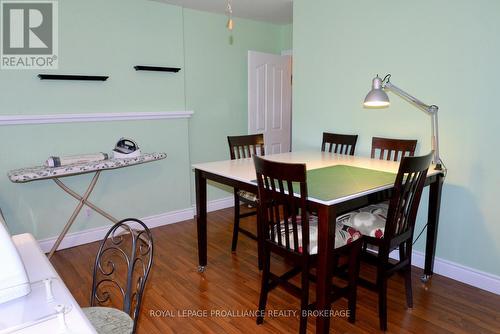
(86, 201)
(83, 200)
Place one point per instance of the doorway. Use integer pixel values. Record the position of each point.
(270, 99)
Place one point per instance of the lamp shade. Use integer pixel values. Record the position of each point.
(377, 97)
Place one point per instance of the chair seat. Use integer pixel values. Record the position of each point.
(369, 220)
(107, 320)
(343, 234)
(251, 197)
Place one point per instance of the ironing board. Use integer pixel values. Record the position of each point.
(24, 175)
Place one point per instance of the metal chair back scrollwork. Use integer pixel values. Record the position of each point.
(122, 267)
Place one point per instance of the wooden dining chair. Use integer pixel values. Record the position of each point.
(242, 147)
(287, 229)
(391, 228)
(338, 143)
(121, 269)
(392, 149)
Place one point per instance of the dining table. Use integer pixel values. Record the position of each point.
(337, 184)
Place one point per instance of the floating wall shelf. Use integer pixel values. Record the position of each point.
(72, 77)
(157, 68)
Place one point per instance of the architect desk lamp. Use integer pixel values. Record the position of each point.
(377, 98)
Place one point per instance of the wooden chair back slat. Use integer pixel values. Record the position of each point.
(279, 207)
(242, 147)
(392, 149)
(339, 143)
(404, 203)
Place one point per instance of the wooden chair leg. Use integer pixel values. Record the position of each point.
(236, 226)
(354, 263)
(382, 296)
(409, 291)
(402, 254)
(264, 290)
(365, 246)
(260, 243)
(304, 299)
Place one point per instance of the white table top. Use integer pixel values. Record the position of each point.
(243, 169)
(38, 268)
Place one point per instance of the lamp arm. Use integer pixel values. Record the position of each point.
(435, 140)
(410, 98)
(431, 110)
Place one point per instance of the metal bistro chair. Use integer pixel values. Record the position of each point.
(289, 231)
(242, 147)
(121, 270)
(338, 143)
(392, 229)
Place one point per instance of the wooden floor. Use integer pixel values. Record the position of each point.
(222, 299)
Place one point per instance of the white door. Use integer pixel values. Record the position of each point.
(270, 99)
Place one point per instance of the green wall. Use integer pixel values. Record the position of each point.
(108, 38)
(445, 53)
(105, 38)
(287, 36)
(216, 80)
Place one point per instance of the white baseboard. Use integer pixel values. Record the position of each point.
(442, 267)
(95, 234)
(458, 272)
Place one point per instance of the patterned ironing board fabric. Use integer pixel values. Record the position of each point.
(41, 172)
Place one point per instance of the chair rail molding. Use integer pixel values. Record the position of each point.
(91, 117)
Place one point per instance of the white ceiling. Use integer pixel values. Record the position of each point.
(275, 11)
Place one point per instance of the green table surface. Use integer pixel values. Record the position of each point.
(334, 182)
(330, 183)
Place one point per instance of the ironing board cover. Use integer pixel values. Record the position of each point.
(41, 172)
